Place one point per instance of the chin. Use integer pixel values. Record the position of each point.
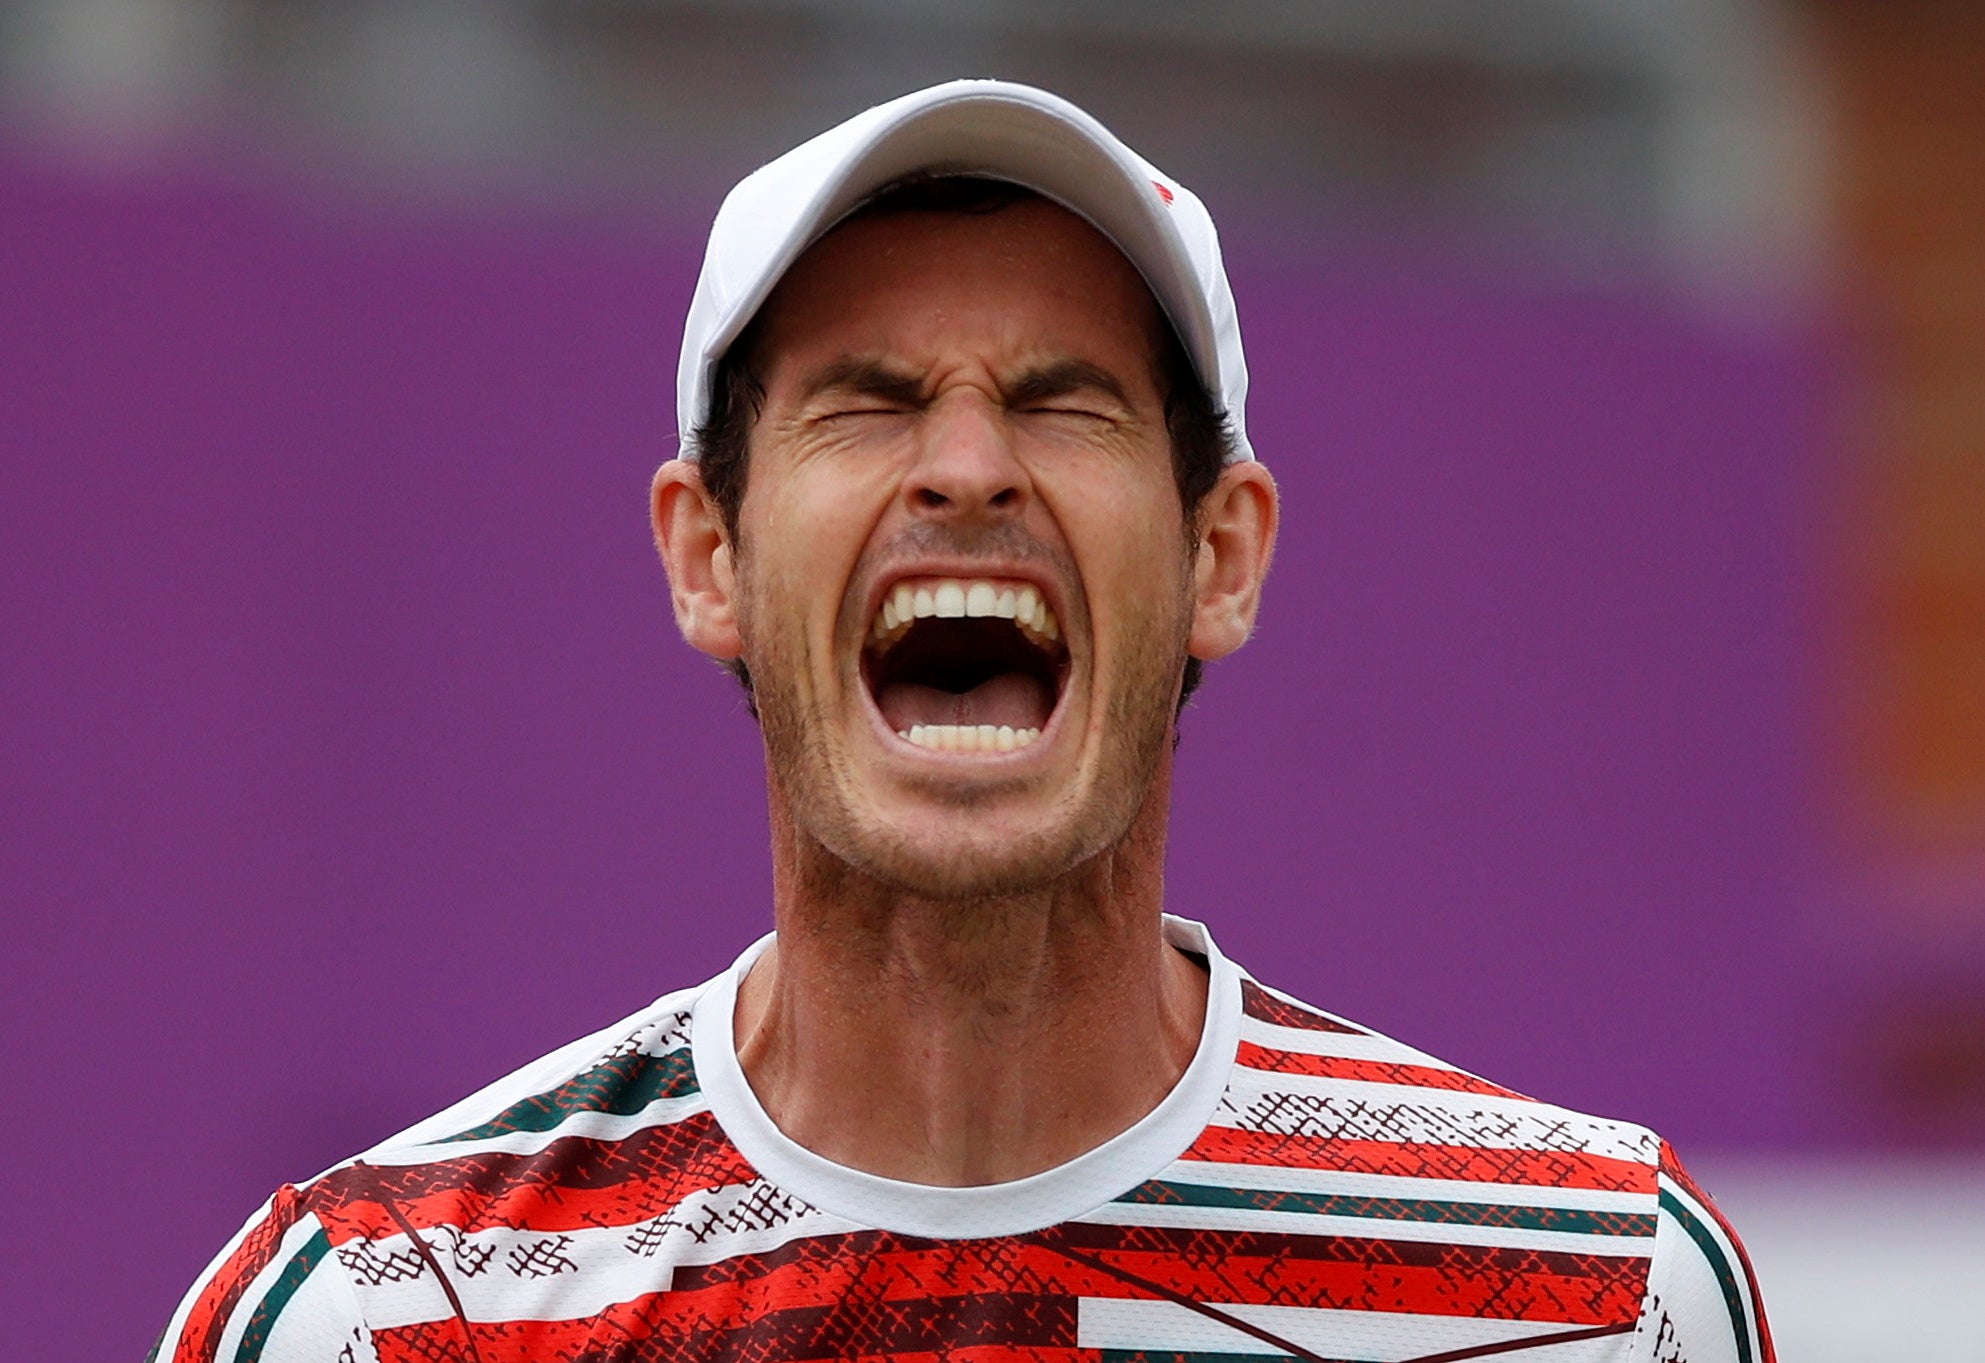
(957, 855)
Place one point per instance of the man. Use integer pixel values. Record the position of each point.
(968, 502)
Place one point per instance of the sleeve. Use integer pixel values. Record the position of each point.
(275, 1294)
(1702, 1302)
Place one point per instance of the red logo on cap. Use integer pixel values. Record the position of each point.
(1163, 192)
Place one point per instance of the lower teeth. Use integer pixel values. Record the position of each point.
(969, 737)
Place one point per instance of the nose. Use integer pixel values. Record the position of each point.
(967, 468)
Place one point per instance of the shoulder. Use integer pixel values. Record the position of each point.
(274, 1293)
(625, 1065)
(1317, 1091)
(526, 1151)
(1304, 1073)
(1703, 1300)
(323, 1261)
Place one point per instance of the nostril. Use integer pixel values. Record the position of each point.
(931, 498)
(1005, 498)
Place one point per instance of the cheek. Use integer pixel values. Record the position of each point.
(1130, 550)
(803, 537)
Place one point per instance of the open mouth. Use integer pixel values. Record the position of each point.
(965, 665)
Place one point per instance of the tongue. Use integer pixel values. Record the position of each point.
(1011, 698)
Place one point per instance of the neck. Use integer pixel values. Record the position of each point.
(967, 1042)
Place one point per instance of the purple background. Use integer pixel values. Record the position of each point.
(351, 757)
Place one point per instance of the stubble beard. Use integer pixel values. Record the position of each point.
(815, 791)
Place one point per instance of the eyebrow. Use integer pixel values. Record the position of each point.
(866, 375)
(1062, 378)
(878, 378)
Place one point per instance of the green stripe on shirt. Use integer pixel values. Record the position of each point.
(622, 1086)
(256, 1336)
(1719, 1264)
(1572, 1220)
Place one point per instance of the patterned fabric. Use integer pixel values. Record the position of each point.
(1330, 1195)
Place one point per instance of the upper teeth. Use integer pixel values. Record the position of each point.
(952, 598)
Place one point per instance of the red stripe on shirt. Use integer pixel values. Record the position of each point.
(1276, 1061)
(571, 1183)
(666, 1326)
(1264, 1268)
(200, 1339)
(1263, 1006)
(872, 1293)
(1544, 1168)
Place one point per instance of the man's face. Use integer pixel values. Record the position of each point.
(964, 585)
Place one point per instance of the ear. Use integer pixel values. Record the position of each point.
(696, 551)
(1236, 540)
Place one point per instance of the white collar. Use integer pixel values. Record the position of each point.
(1082, 1184)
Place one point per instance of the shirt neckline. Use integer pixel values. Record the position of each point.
(1082, 1184)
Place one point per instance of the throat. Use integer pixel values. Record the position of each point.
(956, 1087)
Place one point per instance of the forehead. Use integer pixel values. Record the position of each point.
(1019, 282)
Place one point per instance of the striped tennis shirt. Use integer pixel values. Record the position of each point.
(1308, 1190)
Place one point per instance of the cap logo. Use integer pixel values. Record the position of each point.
(1163, 192)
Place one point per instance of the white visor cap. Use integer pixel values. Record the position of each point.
(992, 128)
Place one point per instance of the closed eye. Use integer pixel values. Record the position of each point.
(1069, 388)
(861, 387)
(878, 409)
(1069, 423)
(1066, 409)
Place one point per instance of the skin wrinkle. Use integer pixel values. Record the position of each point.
(790, 438)
(969, 983)
(877, 377)
(1201, 438)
